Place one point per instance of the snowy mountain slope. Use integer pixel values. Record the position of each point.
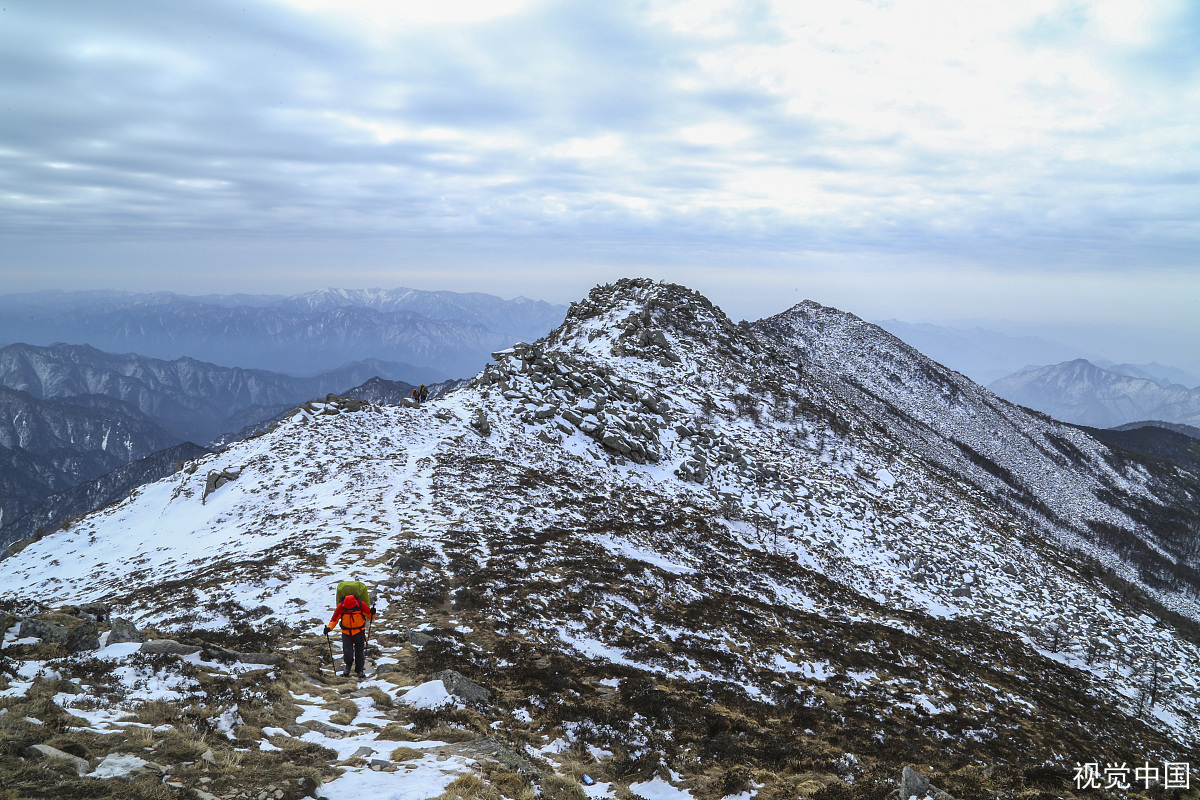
(681, 547)
(1060, 479)
(90, 495)
(1080, 392)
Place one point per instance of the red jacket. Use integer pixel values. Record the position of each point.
(353, 615)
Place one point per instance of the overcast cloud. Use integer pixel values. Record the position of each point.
(917, 159)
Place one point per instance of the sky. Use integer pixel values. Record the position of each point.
(1032, 160)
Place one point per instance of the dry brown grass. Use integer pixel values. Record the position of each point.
(469, 787)
(510, 784)
(395, 732)
(557, 787)
(406, 754)
(346, 711)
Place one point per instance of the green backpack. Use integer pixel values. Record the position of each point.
(356, 588)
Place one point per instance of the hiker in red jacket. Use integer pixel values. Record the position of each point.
(353, 614)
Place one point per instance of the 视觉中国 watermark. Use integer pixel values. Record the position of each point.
(1171, 775)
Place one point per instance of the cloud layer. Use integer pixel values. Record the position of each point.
(1023, 137)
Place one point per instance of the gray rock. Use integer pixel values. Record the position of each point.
(492, 749)
(406, 564)
(384, 669)
(96, 612)
(616, 442)
(479, 423)
(362, 752)
(168, 647)
(418, 639)
(268, 659)
(325, 729)
(913, 784)
(463, 687)
(379, 764)
(83, 638)
(46, 631)
(296, 730)
(39, 752)
(218, 479)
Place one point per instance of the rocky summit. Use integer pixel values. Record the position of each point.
(654, 554)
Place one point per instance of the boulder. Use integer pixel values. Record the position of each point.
(479, 423)
(168, 647)
(56, 757)
(96, 612)
(462, 687)
(405, 563)
(46, 631)
(83, 638)
(124, 631)
(418, 639)
(913, 784)
(326, 730)
(218, 479)
(616, 442)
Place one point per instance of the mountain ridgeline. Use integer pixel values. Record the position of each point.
(444, 334)
(790, 557)
(192, 399)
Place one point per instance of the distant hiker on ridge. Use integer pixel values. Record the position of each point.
(424, 394)
(353, 614)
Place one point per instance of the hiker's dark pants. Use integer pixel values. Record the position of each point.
(354, 649)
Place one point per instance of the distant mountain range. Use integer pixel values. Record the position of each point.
(1082, 393)
(48, 445)
(193, 400)
(444, 334)
(991, 350)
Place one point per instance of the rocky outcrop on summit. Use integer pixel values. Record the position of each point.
(383, 392)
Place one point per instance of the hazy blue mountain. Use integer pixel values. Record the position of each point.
(981, 354)
(1186, 430)
(195, 400)
(445, 334)
(1082, 393)
(98, 492)
(1162, 375)
(48, 445)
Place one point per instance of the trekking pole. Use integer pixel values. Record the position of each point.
(327, 644)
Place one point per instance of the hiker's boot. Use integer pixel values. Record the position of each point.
(360, 674)
(346, 672)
